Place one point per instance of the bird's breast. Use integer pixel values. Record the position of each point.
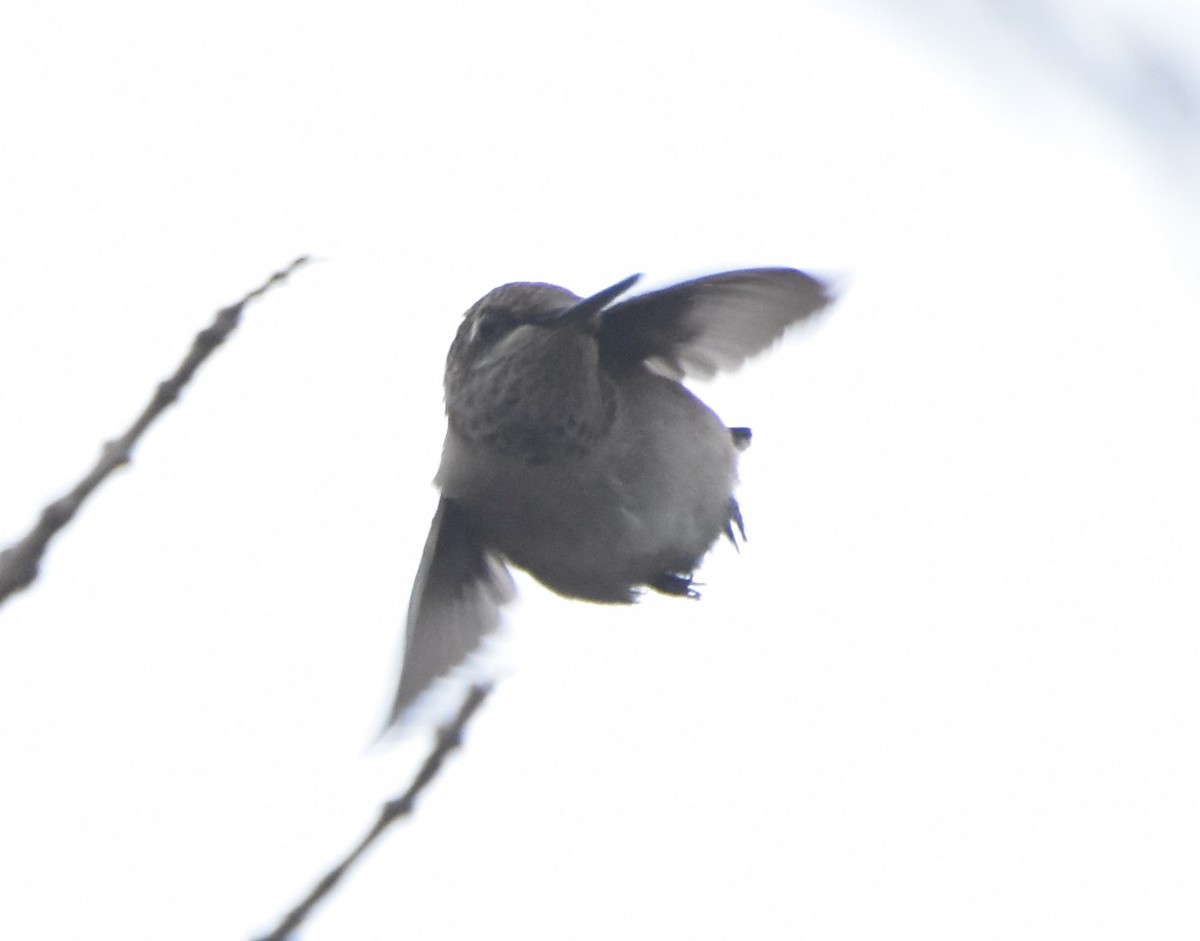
(649, 495)
(541, 398)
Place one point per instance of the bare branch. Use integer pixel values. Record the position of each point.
(19, 562)
(449, 738)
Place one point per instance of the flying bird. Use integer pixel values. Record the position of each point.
(574, 451)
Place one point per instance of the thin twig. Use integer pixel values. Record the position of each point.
(19, 562)
(449, 737)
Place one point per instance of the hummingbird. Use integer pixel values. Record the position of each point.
(574, 451)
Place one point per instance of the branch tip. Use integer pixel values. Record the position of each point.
(19, 563)
(447, 739)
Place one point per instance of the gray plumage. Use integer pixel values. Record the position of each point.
(574, 452)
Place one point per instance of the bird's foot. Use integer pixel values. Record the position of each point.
(735, 519)
(675, 583)
(741, 437)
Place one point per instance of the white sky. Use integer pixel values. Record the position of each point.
(948, 690)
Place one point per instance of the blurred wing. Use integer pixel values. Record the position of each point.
(700, 327)
(456, 601)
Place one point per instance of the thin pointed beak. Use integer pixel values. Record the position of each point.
(591, 306)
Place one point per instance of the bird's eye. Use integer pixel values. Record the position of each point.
(493, 323)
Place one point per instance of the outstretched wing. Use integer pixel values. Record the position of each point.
(715, 323)
(456, 601)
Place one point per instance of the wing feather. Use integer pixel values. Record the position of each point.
(712, 324)
(455, 604)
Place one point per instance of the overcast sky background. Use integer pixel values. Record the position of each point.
(948, 689)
